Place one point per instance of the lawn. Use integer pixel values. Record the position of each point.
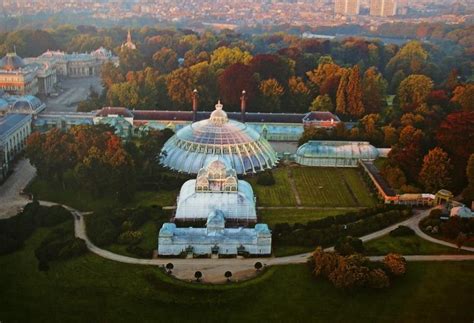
(408, 245)
(92, 289)
(149, 242)
(84, 201)
(291, 216)
(318, 186)
(276, 195)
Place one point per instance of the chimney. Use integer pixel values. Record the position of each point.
(243, 104)
(195, 104)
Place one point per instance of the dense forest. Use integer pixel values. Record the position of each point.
(417, 98)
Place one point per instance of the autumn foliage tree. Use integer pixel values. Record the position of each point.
(413, 91)
(395, 264)
(233, 80)
(435, 173)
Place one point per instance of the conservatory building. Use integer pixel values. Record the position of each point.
(216, 188)
(335, 153)
(240, 147)
(215, 238)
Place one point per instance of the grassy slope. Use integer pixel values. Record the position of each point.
(93, 289)
(408, 245)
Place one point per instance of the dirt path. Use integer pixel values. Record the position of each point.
(293, 187)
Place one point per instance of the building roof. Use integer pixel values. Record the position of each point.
(107, 111)
(320, 116)
(338, 149)
(27, 104)
(10, 122)
(462, 212)
(240, 147)
(11, 62)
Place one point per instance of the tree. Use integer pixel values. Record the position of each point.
(271, 92)
(464, 95)
(233, 80)
(180, 84)
(324, 262)
(224, 57)
(130, 60)
(390, 135)
(322, 103)
(413, 91)
(43, 266)
(378, 279)
(355, 106)
(456, 134)
(468, 193)
(124, 95)
(374, 91)
(269, 66)
(198, 276)
(436, 170)
(341, 99)
(350, 272)
(326, 77)
(411, 59)
(395, 264)
(165, 60)
(258, 265)
(298, 95)
(169, 267)
(110, 74)
(349, 245)
(394, 176)
(228, 275)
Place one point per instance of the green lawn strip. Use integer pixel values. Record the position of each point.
(291, 216)
(93, 289)
(408, 245)
(84, 201)
(276, 195)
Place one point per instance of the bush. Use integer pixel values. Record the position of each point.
(53, 215)
(348, 245)
(378, 279)
(266, 178)
(130, 237)
(402, 231)
(395, 264)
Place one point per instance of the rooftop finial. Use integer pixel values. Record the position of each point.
(129, 36)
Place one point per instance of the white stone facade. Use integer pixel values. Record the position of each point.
(214, 239)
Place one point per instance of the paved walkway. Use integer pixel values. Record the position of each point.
(10, 199)
(213, 269)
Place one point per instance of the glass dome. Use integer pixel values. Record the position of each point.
(238, 146)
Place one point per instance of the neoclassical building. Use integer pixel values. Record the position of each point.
(75, 64)
(239, 146)
(16, 77)
(216, 187)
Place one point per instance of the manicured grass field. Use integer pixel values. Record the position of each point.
(279, 194)
(319, 186)
(84, 201)
(274, 216)
(92, 289)
(408, 245)
(316, 186)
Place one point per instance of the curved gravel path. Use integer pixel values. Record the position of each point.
(214, 269)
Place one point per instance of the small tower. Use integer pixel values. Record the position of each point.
(243, 105)
(195, 104)
(129, 44)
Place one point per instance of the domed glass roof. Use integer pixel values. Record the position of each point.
(11, 62)
(240, 147)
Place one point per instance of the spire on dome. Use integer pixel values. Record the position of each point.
(129, 36)
(218, 116)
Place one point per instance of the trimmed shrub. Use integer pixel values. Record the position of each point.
(401, 231)
(349, 245)
(130, 237)
(266, 178)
